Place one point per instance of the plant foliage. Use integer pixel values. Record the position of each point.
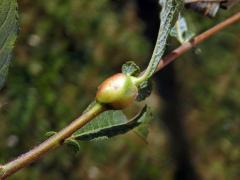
(181, 31)
(168, 16)
(109, 124)
(8, 35)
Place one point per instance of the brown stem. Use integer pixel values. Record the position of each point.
(197, 40)
(50, 144)
(56, 140)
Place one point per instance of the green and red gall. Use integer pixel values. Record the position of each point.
(118, 91)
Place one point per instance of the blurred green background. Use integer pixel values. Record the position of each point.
(66, 48)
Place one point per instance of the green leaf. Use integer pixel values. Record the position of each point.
(109, 124)
(143, 129)
(73, 143)
(50, 133)
(169, 14)
(8, 35)
(181, 31)
(130, 68)
(144, 90)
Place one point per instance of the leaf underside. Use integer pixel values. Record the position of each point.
(168, 16)
(8, 35)
(181, 31)
(109, 124)
(130, 68)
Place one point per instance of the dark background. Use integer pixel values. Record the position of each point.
(66, 48)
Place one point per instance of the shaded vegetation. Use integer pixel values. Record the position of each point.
(66, 48)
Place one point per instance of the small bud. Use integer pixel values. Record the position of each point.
(118, 91)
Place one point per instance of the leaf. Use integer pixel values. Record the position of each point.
(8, 35)
(169, 14)
(144, 90)
(130, 68)
(109, 124)
(73, 143)
(50, 133)
(209, 9)
(143, 129)
(180, 30)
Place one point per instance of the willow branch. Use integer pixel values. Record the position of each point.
(58, 139)
(50, 144)
(197, 40)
